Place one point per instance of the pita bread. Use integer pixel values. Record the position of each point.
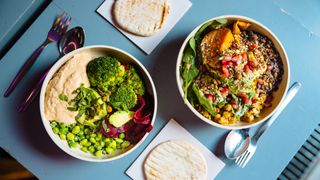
(141, 17)
(175, 160)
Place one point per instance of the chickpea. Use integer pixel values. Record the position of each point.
(228, 107)
(217, 110)
(223, 121)
(226, 114)
(217, 117)
(232, 120)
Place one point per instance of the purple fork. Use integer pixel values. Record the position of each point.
(59, 27)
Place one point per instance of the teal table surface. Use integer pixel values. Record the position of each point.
(24, 137)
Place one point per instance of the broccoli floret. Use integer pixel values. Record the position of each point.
(133, 80)
(105, 72)
(123, 98)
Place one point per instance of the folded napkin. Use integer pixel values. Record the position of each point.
(173, 131)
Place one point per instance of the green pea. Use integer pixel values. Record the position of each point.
(125, 144)
(84, 149)
(81, 133)
(62, 125)
(118, 140)
(72, 144)
(63, 130)
(93, 135)
(55, 130)
(99, 135)
(87, 144)
(121, 136)
(98, 147)
(62, 136)
(98, 153)
(112, 144)
(76, 130)
(70, 136)
(91, 149)
(53, 124)
(93, 140)
(118, 146)
(86, 131)
(82, 137)
(109, 150)
(83, 142)
(102, 144)
(106, 140)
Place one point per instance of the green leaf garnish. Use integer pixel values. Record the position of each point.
(63, 97)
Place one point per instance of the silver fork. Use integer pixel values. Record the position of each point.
(242, 160)
(57, 30)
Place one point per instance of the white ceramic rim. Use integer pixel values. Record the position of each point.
(178, 79)
(53, 70)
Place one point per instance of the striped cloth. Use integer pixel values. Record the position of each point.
(304, 161)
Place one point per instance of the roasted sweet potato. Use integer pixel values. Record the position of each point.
(214, 43)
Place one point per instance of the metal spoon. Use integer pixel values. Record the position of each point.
(71, 40)
(238, 141)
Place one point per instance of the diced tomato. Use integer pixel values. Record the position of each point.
(224, 62)
(260, 81)
(253, 63)
(227, 58)
(254, 100)
(244, 56)
(236, 63)
(246, 68)
(209, 97)
(269, 68)
(126, 67)
(234, 105)
(253, 46)
(244, 97)
(225, 71)
(224, 90)
(237, 57)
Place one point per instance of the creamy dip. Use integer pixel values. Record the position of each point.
(68, 78)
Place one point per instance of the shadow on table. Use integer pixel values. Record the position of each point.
(29, 124)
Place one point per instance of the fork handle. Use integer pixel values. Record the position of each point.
(290, 94)
(26, 66)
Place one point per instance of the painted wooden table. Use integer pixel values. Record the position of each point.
(24, 137)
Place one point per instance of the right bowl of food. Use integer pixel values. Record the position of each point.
(232, 72)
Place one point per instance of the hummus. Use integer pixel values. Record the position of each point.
(68, 78)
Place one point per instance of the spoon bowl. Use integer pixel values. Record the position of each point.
(237, 142)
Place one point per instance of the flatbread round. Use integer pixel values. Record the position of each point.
(140, 17)
(175, 160)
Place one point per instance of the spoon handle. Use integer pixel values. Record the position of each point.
(290, 94)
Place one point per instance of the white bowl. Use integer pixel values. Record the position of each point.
(278, 95)
(97, 51)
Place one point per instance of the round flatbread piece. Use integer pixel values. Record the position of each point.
(140, 17)
(175, 159)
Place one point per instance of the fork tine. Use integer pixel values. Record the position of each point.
(245, 159)
(239, 159)
(57, 20)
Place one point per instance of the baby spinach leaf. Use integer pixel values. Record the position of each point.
(189, 70)
(203, 100)
(192, 43)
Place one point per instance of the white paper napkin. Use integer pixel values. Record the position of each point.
(173, 131)
(177, 9)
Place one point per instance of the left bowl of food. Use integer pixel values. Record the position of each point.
(98, 103)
